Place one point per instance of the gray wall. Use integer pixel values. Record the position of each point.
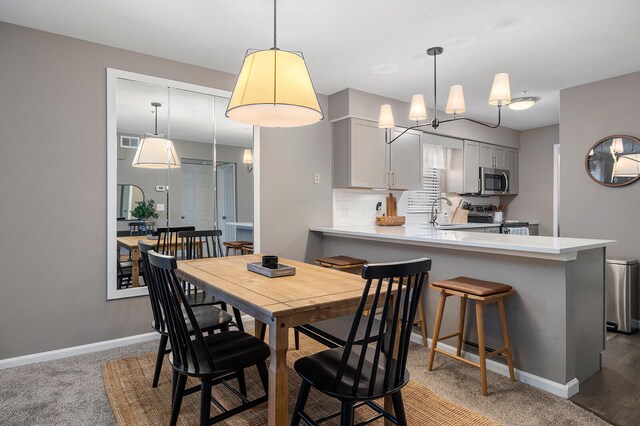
(587, 209)
(535, 162)
(53, 170)
(289, 200)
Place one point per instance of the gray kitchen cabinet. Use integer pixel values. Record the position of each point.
(491, 156)
(362, 159)
(471, 166)
(511, 164)
(405, 160)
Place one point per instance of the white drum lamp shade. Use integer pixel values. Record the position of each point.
(386, 117)
(418, 111)
(156, 152)
(247, 158)
(274, 89)
(455, 103)
(501, 90)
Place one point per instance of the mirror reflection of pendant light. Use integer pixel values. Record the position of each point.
(274, 89)
(500, 96)
(247, 159)
(154, 150)
(617, 146)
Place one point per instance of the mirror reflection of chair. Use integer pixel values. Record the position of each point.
(358, 374)
(209, 358)
(209, 318)
(139, 227)
(199, 245)
(167, 243)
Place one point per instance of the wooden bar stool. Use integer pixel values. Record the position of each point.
(482, 293)
(342, 263)
(236, 246)
(247, 249)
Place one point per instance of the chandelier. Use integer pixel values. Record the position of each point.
(500, 96)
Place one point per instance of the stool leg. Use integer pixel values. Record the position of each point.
(228, 250)
(436, 329)
(481, 348)
(423, 323)
(505, 336)
(463, 310)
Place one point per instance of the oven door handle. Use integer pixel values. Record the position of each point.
(506, 183)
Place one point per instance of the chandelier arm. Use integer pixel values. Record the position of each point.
(389, 142)
(491, 126)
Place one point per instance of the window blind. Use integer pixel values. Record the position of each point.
(420, 201)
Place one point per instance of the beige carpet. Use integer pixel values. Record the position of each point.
(135, 402)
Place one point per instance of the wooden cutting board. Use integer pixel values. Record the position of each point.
(460, 216)
(392, 206)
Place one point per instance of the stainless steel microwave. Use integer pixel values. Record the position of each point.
(494, 181)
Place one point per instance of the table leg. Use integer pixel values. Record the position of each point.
(278, 374)
(135, 269)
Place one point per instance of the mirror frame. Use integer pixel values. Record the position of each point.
(112, 176)
(586, 162)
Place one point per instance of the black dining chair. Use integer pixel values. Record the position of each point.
(200, 245)
(214, 359)
(168, 239)
(138, 228)
(359, 374)
(209, 318)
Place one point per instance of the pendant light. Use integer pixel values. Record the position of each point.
(500, 96)
(155, 151)
(274, 89)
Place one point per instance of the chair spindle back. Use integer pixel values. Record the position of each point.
(168, 239)
(395, 289)
(200, 244)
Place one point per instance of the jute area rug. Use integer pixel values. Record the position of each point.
(134, 402)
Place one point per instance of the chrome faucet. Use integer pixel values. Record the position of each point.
(434, 212)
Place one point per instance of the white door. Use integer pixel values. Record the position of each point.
(226, 199)
(197, 196)
(406, 160)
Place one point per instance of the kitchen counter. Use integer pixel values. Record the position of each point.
(556, 314)
(552, 248)
(246, 225)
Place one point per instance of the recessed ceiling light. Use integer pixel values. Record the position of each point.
(384, 69)
(519, 104)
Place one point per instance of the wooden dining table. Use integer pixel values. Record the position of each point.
(130, 243)
(314, 293)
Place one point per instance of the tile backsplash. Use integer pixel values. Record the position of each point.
(355, 207)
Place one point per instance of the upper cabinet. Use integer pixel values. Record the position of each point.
(362, 159)
(405, 160)
(511, 164)
(477, 155)
(491, 156)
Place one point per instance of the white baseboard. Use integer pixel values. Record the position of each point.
(563, 390)
(76, 350)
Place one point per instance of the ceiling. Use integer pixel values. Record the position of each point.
(183, 115)
(374, 45)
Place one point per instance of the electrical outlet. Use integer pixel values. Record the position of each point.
(316, 178)
(160, 207)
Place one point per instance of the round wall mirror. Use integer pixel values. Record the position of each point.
(614, 160)
(127, 197)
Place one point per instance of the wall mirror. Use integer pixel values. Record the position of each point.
(203, 183)
(127, 197)
(614, 160)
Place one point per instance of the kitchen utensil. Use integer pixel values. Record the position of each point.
(392, 205)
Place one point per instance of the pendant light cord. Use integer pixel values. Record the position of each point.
(275, 45)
